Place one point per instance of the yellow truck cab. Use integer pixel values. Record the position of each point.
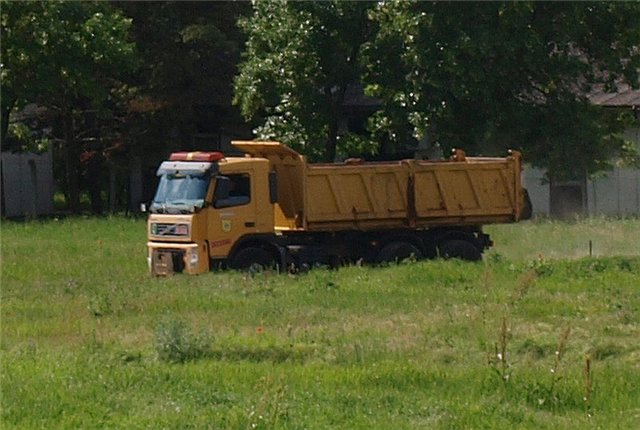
(272, 208)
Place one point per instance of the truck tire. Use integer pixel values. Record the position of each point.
(462, 249)
(252, 259)
(395, 252)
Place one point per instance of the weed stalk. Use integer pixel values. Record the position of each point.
(525, 282)
(499, 360)
(560, 350)
(588, 383)
(271, 408)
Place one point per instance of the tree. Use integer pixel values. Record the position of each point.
(487, 76)
(299, 60)
(66, 56)
(189, 52)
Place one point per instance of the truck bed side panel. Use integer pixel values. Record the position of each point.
(464, 189)
(357, 194)
(411, 194)
(408, 193)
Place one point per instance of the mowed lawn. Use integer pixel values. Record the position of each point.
(539, 335)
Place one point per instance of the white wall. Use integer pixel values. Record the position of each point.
(533, 181)
(616, 194)
(27, 183)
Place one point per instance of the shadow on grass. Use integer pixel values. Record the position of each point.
(296, 353)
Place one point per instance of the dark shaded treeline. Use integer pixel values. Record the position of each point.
(112, 87)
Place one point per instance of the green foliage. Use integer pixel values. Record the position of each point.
(299, 60)
(27, 139)
(583, 268)
(55, 52)
(118, 79)
(188, 55)
(486, 77)
(491, 76)
(67, 57)
(174, 342)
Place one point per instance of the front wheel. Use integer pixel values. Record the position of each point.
(252, 259)
(462, 249)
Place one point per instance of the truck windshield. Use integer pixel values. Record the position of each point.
(180, 193)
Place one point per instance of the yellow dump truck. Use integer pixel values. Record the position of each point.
(271, 208)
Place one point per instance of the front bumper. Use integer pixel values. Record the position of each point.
(168, 258)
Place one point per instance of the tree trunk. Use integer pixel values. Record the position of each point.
(72, 162)
(135, 182)
(112, 188)
(385, 146)
(332, 141)
(7, 105)
(94, 181)
(335, 103)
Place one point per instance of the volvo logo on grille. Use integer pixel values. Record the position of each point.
(170, 229)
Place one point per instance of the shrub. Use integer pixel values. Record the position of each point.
(175, 343)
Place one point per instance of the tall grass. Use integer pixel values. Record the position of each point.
(89, 340)
(554, 239)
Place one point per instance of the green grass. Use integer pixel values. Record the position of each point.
(567, 240)
(89, 340)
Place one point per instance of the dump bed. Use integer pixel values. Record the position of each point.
(409, 193)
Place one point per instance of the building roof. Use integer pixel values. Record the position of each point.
(625, 96)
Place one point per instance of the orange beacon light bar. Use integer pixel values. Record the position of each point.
(197, 156)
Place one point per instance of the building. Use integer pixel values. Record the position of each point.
(615, 193)
(27, 184)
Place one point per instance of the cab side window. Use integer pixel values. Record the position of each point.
(239, 191)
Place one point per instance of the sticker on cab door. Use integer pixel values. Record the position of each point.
(226, 225)
(220, 243)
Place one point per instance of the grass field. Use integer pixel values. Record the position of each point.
(539, 335)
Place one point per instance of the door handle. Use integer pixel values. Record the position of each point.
(249, 224)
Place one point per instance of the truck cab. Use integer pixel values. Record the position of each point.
(203, 203)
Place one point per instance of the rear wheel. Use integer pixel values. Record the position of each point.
(395, 252)
(252, 259)
(462, 249)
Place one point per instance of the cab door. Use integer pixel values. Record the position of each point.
(234, 211)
